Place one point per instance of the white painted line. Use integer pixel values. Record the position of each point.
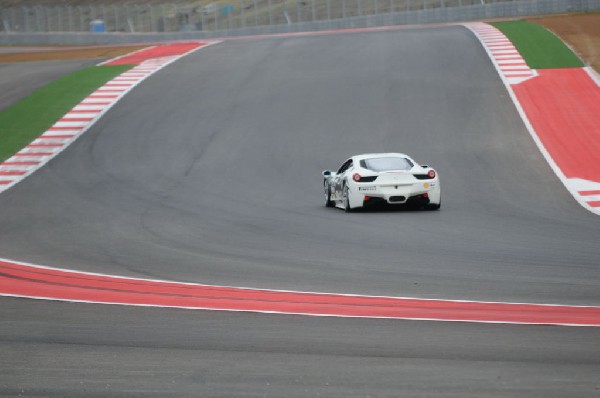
(504, 52)
(71, 124)
(62, 131)
(110, 91)
(50, 141)
(510, 56)
(514, 67)
(92, 108)
(593, 75)
(97, 100)
(501, 47)
(512, 61)
(82, 114)
(13, 167)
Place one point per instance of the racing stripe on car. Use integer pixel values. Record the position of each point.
(85, 114)
(38, 282)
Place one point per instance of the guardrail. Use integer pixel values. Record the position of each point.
(152, 23)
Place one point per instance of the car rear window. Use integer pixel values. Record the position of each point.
(386, 164)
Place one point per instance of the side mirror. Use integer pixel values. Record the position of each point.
(327, 173)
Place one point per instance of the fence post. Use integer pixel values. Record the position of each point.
(48, 18)
(11, 20)
(314, 11)
(136, 19)
(69, 18)
(26, 21)
(43, 19)
(242, 16)
(216, 19)
(255, 14)
(5, 23)
(80, 18)
(270, 13)
(36, 19)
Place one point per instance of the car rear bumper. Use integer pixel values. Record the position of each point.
(420, 193)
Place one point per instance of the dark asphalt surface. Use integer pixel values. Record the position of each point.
(22, 78)
(210, 172)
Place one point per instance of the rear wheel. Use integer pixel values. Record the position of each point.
(328, 201)
(347, 208)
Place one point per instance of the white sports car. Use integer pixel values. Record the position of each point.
(376, 178)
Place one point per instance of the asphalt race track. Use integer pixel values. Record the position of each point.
(209, 172)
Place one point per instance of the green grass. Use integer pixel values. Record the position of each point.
(540, 48)
(25, 120)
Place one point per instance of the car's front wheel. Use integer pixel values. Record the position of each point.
(328, 201)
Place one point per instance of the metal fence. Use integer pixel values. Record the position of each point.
(216, 16)
(146, 23)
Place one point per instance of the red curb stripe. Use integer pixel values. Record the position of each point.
(30, 281)
(594, 203)
(98, 96)
(65, 128)
(588, 193)
(76, 119)
(19, 163)
(12, 173)
(44, 145)
(34, 154)
(5, 182)
(57, 137)
(84, 110)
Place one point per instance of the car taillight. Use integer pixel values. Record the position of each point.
(356, 177)
(431, 174)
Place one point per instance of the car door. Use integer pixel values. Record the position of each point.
(338, 181)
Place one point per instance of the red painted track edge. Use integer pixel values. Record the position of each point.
(324, 315)
(39, 282)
